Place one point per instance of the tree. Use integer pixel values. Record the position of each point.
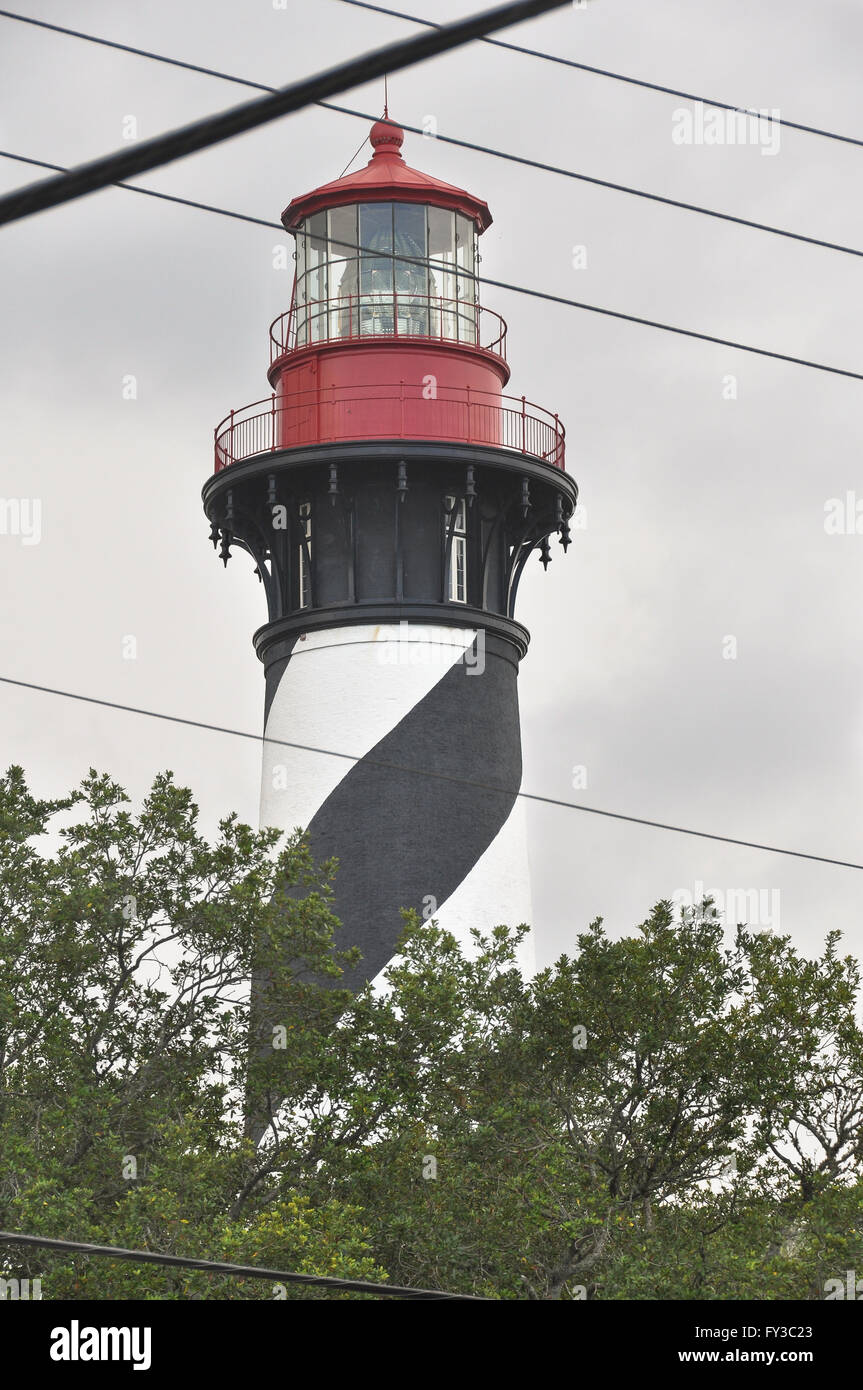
(124, 967)
(675, 1114)
(610, 1129)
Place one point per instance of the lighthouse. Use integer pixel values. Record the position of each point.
(390, 492)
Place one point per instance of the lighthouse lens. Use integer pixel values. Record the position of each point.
(376, 270)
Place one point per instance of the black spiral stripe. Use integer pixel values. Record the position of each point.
(402, 837)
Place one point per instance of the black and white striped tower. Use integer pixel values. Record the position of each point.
(390, 496)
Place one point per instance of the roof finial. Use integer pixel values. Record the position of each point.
(386, 138)
(386, 99)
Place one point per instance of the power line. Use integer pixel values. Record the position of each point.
(203, 134)
(394, 64)
(615, 187)
(604, 72)
(496, 284)
(138, 52)
(670, 328)
(154, 193)
(278, 1276)
(461, 144)
(424, 772)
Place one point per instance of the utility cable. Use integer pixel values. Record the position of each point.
(604, 72)
(224, 125)
(154, 193)
(464, 144)
(279, 1276)
(496, 284)
(425, 772)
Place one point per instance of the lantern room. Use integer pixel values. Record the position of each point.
(385, 337)
(386, 262)
(386, 251)
(388, 474)
(386, 269)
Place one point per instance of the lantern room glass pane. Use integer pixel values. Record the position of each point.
(376, 227)
(466, 282)
(316, 276)
(411, 273)
(441, 244)
(302, 325)
(343, 278)
(464, 235)
(376, 270)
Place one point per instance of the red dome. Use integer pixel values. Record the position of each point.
(386, 133)
(386, 178)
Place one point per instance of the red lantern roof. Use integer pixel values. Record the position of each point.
(386, 178)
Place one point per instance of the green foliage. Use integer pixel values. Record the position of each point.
(124, 1026)
(459, 1129)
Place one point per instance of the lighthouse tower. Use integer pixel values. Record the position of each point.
(390, 495)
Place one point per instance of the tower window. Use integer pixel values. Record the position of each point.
(457, 509)
(305, 554)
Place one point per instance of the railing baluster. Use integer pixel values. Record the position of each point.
(468, 413)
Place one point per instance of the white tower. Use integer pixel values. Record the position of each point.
(390, 495)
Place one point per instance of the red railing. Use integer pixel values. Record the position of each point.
(397, 411)
(350, 317)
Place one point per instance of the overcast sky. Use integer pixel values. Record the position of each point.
(705, 514)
